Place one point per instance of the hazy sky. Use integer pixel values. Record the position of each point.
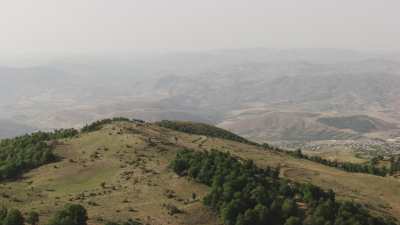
(74, 26)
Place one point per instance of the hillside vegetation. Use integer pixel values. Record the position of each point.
(20, 154)
(122, 172)
(244, 194)
(202, 129)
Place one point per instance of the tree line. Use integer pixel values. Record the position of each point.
(97, 125)
(71, 214)
(369, 168)
(202, 129)
(243, 194)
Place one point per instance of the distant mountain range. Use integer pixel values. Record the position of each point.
(10, 129)
(262, 94)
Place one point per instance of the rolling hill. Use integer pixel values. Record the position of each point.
(357, 123)
(121, 171)
(276, 126)
(283, 126)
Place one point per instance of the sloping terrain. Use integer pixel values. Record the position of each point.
(118, 172)
(284, 126)
(265, 125)
(357, 123)
(121, 172)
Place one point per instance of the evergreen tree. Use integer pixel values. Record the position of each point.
(14, 217)
(33, 218)
(72, 214)
(293, 221)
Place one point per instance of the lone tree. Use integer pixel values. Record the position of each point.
(3, 213)
(14, 217)
(72, 214)
(33, 218)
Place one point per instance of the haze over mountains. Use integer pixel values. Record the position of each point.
(263, 94)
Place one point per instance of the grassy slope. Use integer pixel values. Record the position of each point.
(144, 151)
(379, 193)
(132, 190)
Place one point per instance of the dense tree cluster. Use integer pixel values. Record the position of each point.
(11, 217)
(244, 194)
(202, 129)
(72, 214)
(97, 125)
(369, 168)
(20, 154)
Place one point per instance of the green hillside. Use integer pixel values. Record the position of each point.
(143, 173)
